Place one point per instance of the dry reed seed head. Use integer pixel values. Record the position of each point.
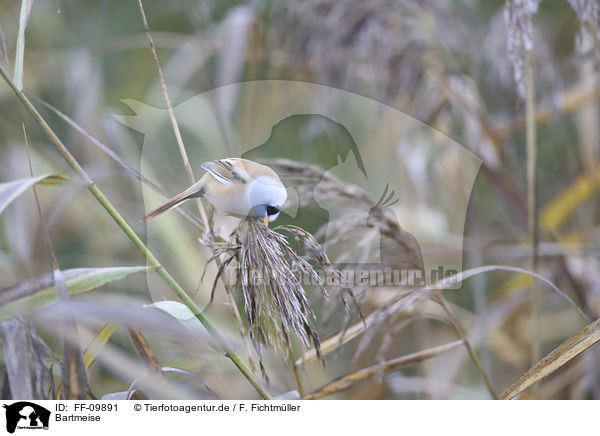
(316, 251)
(518, 18)
(377, 48)
(501, 68)
(495, 51)
(3, 52)
(588, 13)
(333, 190)
(405, 249)
(479, 141)
(308, 177)
(270, 272)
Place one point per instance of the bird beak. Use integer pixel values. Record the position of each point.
(266, 221)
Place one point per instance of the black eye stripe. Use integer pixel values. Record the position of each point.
(272, 210)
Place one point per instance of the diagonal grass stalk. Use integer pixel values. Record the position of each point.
(164, 274)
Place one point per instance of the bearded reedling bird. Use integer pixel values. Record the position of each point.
(234, 186)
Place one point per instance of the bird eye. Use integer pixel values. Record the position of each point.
(272, 210)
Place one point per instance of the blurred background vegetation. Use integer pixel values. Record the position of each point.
(458, 66)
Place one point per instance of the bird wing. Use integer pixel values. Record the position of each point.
(227, 171)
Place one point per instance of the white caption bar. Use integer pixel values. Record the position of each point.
(298, 417)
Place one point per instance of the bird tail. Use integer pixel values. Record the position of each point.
(196, 190)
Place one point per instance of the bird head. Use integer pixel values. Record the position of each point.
(267, 196)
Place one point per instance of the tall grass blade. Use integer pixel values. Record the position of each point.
(172, 370)
(41, 290)
(26, 6)
(346, 335)
(350, 380)
(562, 206)
(101, 338)
(565, 352)
(463, 336)
(9, 191)
(174, 124)
(178, 311)
(114, 360)
(532, 211)
(144, 350)
(24, 353)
